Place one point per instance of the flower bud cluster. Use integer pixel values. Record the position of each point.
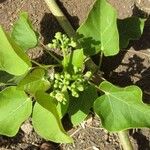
(61, 41)
(74, 83)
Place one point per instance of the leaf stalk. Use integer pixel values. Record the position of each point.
(61, 18)
(124, 140)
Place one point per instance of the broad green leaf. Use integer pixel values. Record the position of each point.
(12, 59)
(122, 108)
(99, 31)
(130, 29)
(79, 108)
(23, 32)
(34, 81)
(62, 108)
(46, 120)
(15, 108)
(76, 58)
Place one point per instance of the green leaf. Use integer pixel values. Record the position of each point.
(99, 31)
(122, 108)
(76, 58)
(46, 120)
(130, 29)
(15, 108)
(23, 32)
(79, 108)
(12, 59)
(34, 81)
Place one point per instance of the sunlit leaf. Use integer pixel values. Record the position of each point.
(99, 32)
(23, 32)
(122, 108)
(46, 119)
(15, 108)
(12, 58)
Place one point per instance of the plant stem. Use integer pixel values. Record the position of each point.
(44, 66)
(124, 140)
(51, 54)
(61, 18)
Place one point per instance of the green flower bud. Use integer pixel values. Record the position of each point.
(52, 94)
(72, 43)
(56, 85)
(56, 81)
(58, 35)
(74, 77)
(57, 76)
(64, 88)
(54, 41)
(73, 86)
(88, 74)
(75, 69)
(80, 88)
(64, 37)
(62, 76)
(59, 96)
(75, 94)
(66, 83)
(60, 86)
(67, 76)
(50, 45)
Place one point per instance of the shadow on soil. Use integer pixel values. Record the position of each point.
(144, 42)
(142, 141)
(49, 25)
(6, 141)
(1, 1)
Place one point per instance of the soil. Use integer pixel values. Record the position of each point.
(131, 66)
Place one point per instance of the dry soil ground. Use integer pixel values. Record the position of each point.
(129, 67)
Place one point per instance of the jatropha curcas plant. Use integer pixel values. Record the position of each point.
(46, 93)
